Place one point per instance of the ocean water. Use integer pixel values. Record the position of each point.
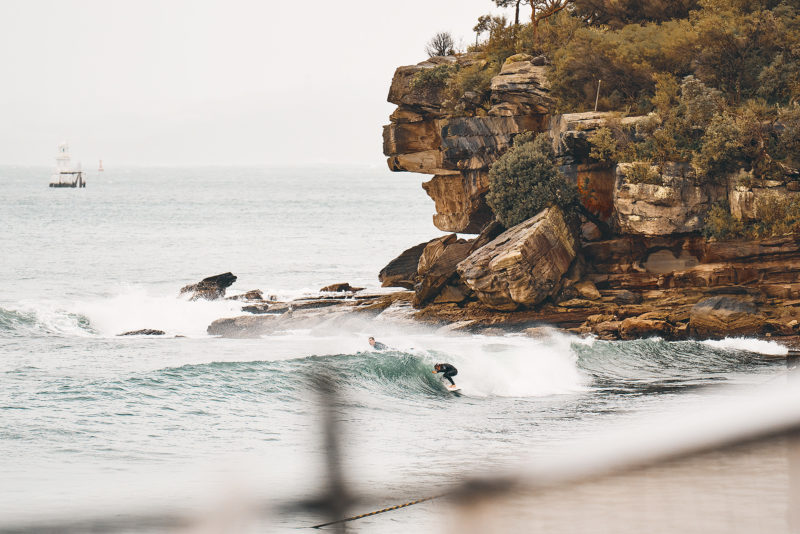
(91, 422)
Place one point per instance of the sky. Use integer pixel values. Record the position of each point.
(200, 82)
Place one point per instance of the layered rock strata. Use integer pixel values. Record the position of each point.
(676, 204)
(422, 136)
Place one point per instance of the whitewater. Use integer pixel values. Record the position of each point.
(87, 416)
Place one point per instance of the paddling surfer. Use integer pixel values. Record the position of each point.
(377, 345)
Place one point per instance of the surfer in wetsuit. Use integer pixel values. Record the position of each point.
(448, 370)
(377, 345)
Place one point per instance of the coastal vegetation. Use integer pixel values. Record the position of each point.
(525, 180)
(717, 83)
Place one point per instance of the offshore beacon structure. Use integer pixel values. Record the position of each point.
(65, 174)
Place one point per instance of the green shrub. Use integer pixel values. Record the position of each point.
(475, 78)
(525, 180)
(721, 225)
(643, 173)
(438, 76)
(776, 215)
(604, 145)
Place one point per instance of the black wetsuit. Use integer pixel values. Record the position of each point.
(448, 370)
(379, 346)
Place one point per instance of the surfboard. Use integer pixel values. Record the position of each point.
(452, 389)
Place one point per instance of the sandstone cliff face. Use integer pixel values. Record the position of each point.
(677, 205)
(458, 151)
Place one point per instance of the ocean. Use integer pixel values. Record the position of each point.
(92, 422)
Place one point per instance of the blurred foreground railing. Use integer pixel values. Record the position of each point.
(731, 464)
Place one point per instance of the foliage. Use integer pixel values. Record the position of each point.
(643, 173)
(676, 130)
(437, 76)
(509, 3)
(756, 137)
(625, 60)
(470, 86)
(604, 145)
(776, 215)
(618, 13)
(441, 44)
(525, 180)
(719, 80)
(721, 225)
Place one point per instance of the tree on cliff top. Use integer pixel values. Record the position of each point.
(440, 44)
(515, 3)
(525, 180)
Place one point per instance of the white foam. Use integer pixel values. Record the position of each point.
(134, 309)
(504, 366)
(759, 346)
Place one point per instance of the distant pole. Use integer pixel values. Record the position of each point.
(597, 98)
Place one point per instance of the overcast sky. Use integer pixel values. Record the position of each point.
(209, 82)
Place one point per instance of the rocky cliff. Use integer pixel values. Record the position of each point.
(641, 267)
(424, 137)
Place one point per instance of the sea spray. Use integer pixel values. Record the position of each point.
(133, 308)
(757, 346)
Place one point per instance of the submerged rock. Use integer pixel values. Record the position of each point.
(254, 294)
(143, 332)
(524, 265)
(210, 288)
(343, 287)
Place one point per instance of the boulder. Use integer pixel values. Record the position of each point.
(607, 329)
(210, 288)
(524, 265)
(402, 271)
(258, 309)
(675, 205)
(433, 250)
(638, 327)
(341, 288)
(587, 290)
(437, 267)
(143, 332)
(725, 315)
